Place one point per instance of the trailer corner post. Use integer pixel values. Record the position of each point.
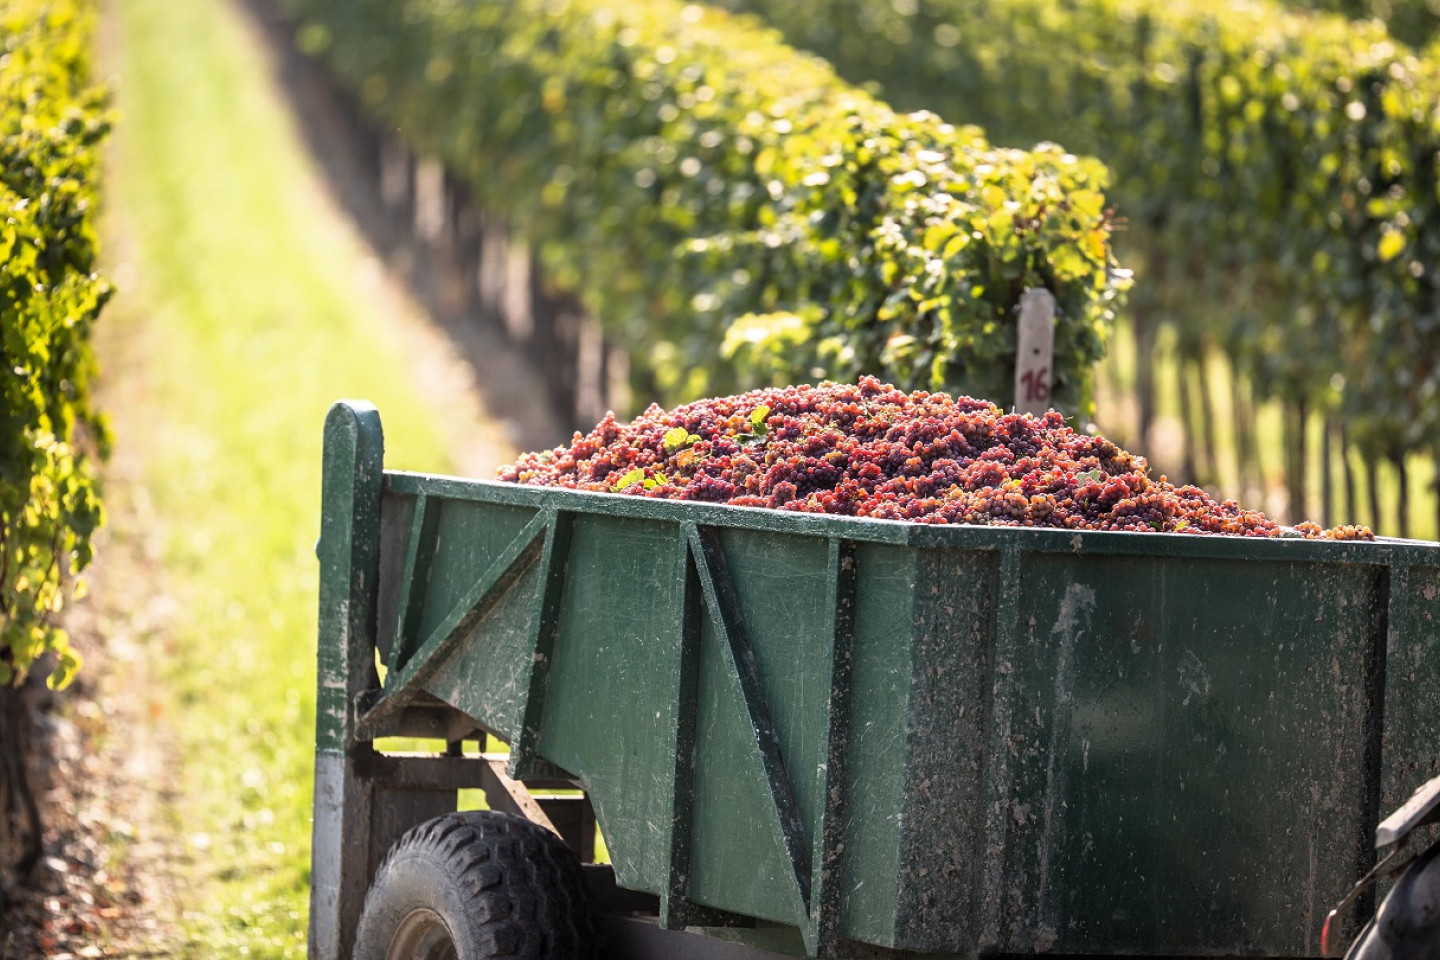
(349, 554)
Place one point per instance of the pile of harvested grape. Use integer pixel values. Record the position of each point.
(870, 450)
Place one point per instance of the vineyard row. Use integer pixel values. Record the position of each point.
(1276, 171)
(731, 211)
(52, 121)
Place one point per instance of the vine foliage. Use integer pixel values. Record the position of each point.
(1412, 21)
(731, 211)
(1277, 168)
(52, 121)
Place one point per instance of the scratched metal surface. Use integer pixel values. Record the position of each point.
(1046, 742)
(1189, 753)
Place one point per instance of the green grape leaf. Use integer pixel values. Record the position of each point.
(758, 426)
(1391, 243)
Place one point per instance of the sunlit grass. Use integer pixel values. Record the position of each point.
(239, 323)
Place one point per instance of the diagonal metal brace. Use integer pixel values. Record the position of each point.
(722, 605)
(402, 686)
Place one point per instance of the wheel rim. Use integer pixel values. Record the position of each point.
(422, 935)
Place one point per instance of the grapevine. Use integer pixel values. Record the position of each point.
(872, 450)
(52, 122)
(730, 211)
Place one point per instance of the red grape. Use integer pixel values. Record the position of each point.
(871, 450)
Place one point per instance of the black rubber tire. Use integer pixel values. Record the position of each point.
(1406, 925)
(477, 886)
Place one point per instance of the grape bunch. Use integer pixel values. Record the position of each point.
(871, 450)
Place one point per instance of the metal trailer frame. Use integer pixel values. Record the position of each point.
(364, 799)
(990, 862)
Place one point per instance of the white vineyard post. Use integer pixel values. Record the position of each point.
(1034, 351)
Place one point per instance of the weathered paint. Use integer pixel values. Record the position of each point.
(349, 555)
(553, 565)
(929, 739)
(734, 672)
(1410, 750)
(1204, 725)
(327, 856)
(824, 924)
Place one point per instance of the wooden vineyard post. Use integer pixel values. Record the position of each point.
(1034, 351)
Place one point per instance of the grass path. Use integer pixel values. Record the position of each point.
(248, 305)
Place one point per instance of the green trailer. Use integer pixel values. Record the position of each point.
(832, 737)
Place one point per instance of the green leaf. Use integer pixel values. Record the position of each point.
(758, 426)
(1391, 243)
(65, 669)
(629, 479)
(677, 437)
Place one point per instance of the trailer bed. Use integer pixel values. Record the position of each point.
(842, 737)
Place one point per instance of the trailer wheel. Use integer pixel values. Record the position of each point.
(477, 886)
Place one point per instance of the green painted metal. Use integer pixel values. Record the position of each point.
(349, 555)
(740, 675)
(826, 732)
(348, 551)
(419, 553)
(552, 566)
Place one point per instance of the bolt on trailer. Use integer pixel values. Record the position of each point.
(823, 736)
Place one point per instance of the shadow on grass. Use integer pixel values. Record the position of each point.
(348, 154)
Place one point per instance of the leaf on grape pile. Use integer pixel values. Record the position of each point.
(678, 437)
(758, 426)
